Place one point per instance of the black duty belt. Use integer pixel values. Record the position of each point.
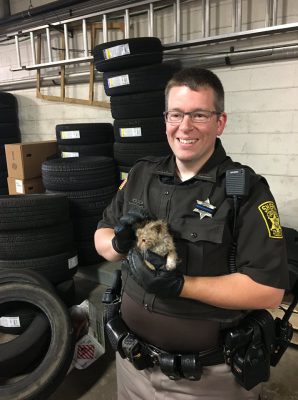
(143, 355)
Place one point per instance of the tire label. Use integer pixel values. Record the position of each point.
(19, 186)
(120, 80)
(116, 51)
(123, 175)
(67, 154)
(70, 134)
(130, 132)
(10, 322)
(73, 262)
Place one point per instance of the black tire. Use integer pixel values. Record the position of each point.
(38, 242)
(126, 53)
(52, 369)
(9, 115)
(82, 173)
(3, 165)
(56, 268)
(143, 79)
(87, 254)
(90, 202)
(25, 314)
(86, 227)
(10, 130)
(3, 179)
(84, 133)
(33, 211)
(7, 100)
(126, 154)
(98, 150)
(140, 130)
(138, 105)
(67, 292)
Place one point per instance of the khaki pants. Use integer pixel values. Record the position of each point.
(217, 383)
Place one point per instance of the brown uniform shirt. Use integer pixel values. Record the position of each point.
(203, 245)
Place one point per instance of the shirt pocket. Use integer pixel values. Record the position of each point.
(200, 246)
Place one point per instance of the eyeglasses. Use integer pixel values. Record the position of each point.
(198, 116)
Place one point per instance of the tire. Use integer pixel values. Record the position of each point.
(125, 53)
(143, 79)
(90, 202)
(38, 242)
(7, 100)
(10, 130)
(66, 290)
(83, 173)
(84, 133)
(86, 227)
(56, 268)
(27, 314)
(141, 130)
(3, 179)
(52, 369)
(33, 211)
(87, 254)
(9, 115)
(138, 105)
(126, 154)
(3, 165)
(97, 150)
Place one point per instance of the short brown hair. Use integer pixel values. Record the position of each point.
(194, 78)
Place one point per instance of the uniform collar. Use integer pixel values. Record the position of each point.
(209, 171)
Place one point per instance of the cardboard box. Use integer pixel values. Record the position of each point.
(24, 159)
(25, 186)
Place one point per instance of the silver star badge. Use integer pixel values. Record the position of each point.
(204, 208)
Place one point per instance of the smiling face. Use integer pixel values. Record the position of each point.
(193, 143)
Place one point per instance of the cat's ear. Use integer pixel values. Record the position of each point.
(158, 227)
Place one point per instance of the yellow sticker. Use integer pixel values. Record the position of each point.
(123, 184)
(270, 215)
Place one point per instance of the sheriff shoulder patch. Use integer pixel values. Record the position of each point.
(270, 215)
(123, 183)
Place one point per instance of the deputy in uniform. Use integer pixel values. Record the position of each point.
(187, 310)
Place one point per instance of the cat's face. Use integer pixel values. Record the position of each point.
(151, 234)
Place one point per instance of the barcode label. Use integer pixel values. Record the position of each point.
(10, 322)
(19, 186)
(120, 80)
(116, 51)
(67, 154)
(70, 134)
(130, 132)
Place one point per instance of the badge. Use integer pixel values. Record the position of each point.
(204, 208)
(123, 184)
(270, 215)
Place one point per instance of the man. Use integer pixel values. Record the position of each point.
(232, 254)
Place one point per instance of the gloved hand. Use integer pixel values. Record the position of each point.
(159, 280)
(124, 238)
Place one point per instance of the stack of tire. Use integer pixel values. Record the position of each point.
(36, 359)
(36, 233)
(135, 78)
(89, 139)
(89, 184)
(9, 133)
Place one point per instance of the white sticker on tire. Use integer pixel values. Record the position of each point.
(120, 80)
(67, 154)
(10, 322)
(130, 132)
(70, 134)
(73, 262)
(116, 51)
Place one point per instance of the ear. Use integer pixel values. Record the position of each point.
(221, 123)
(158, 227)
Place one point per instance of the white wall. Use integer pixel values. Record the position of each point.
(261, 98)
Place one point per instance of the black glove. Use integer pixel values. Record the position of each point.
(124, 238)
(156, 279)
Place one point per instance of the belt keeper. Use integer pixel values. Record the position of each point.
(191, 367)
(169, 365)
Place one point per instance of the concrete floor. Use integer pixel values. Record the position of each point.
(98, 382)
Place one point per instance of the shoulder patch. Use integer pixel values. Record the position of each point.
(123, 183)
(270, 215)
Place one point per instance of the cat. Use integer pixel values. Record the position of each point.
(155, 236)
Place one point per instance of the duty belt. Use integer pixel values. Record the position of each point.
(144, 355)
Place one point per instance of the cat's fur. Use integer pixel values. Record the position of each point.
(155, 236)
